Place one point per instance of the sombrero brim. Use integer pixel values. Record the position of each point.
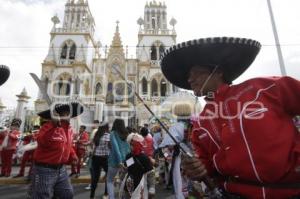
(232, 55)
(4, 74)
(75, 109)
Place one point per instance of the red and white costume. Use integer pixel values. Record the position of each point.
(246, 135)
(54, 144)
(28, 155)
(8, 151)
(81, 139)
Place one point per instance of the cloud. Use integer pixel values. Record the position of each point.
(28, 2)
(24, 44)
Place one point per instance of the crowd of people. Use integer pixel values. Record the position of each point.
(137, 159)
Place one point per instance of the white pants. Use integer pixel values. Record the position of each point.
(111, 174)
(177, 181)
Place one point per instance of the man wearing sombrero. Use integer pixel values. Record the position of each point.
(246, 139)
(54, 150)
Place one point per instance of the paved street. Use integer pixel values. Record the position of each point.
(19, 191)
(12, 188)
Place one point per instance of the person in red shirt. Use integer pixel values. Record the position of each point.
(54, 150)
(245, 137)
(12, 135)
(2, 135)
(81, 140)
(27, 156)
(149, 151)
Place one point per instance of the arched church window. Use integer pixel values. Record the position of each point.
(68, 86)
(72, 52)
(148, 16)
(161, 50)
(109, 95)
(164, 15)
(77, 85)
(78, 20)
(60, 86)
(64, 51)
(98, 89)
(153, 23)
(46, 83)
(72, 16)
(144, 86)
(120, 92)
(130, 93)
(153, 53)
(153, 18)
(163, 88)
(154, 88)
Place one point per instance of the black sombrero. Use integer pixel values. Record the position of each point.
(16, 122)
(232, 55)
(74, 108)
(4, 74)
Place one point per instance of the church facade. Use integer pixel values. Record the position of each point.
(75, 68)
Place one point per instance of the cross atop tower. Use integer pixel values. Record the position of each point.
(117, 27)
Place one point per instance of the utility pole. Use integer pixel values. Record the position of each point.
(279, 53)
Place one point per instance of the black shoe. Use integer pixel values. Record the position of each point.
(72, 174)
(77, 175)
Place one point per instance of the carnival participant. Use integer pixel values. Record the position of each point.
(54, 150)
(158, 155)
(27, 155)
(2, 131)
(149, 151)
(4, 75)
(157, 138)
(9, 146)
(138, 166)
(100, 154)
(245, 138)
(178, 130)
(90, 150)
(119, 149)
(81, 140)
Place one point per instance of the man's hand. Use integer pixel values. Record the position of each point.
(193, 168)
(153, 162)
(121, 166)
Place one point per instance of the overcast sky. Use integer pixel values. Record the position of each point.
(25, 27)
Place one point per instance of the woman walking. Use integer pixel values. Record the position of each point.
(101, 142)
(119, 149)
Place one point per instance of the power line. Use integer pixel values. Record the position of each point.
(47, 47)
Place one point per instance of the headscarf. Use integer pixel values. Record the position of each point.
(136, 141)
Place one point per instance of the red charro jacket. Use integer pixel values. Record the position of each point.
(13, 137)
(81, 139)
(246, 136)
(27, 139)
(54, 144)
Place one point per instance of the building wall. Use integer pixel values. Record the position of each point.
(89, 68)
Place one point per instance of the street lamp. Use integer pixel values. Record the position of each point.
(279, 53)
